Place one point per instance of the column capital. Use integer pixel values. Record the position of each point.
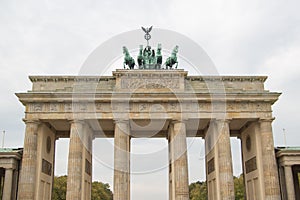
(287, 165)
(73, 121)
(33, 121)
(182, 120)
(266, 119)
(117, 121)
(221, 120)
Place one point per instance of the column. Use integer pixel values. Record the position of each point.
(211, 161)
(7, 190)
(289, 181)
(225, 160)
(270, 173)
(179, 189)
(74, 182)
(87, 162)
(122, 160)
(171, 159)
(29, 161)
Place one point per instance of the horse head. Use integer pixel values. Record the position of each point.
(125, 51)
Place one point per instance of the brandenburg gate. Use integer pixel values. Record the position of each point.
(135, 102)
(155, 100)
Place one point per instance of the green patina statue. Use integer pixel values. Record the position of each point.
(158, 57)
(147, 59)
(173, 59)
(140, 58)
(128, 60)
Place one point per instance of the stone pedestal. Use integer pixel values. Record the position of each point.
(122, 160)
(270, 173)
(178, 177)
(27, 184)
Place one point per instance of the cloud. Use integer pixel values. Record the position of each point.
(283, 69)
(241, 37)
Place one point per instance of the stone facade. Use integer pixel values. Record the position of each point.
(213, 107)
(10, 164)
(288, 159)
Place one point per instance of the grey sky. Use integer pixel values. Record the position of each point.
(241, 37)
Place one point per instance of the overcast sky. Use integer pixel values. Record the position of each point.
(39, 37)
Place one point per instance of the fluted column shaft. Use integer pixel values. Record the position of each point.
(29, 162)
(289, 180)
(74, 182)
(270, 173)
(179, 163)
(122, 160)
(225, 161)
(7, 190)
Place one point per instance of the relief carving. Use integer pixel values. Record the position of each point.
(187, 107)
(142, 107)
(98, 106)
(157, 107)
(153, 83)
(53, 107)
(37, 107)
(68, 107)
(105, 107)
(230, 106)
(244, 106)
(172, 106)
(82, 107)
(248, 106)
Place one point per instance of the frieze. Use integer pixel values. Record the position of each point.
(68, 107)
(151, 107)
(98, 106)
(158, 108)
(143, 107)
(150, 83)
(173, 106)
(102, 107)
(37, 107)
(186, 106)
(54, 107)
(83, 107)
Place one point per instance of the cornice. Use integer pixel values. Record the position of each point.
(190, 78)
(70, 78)
(228, 78)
